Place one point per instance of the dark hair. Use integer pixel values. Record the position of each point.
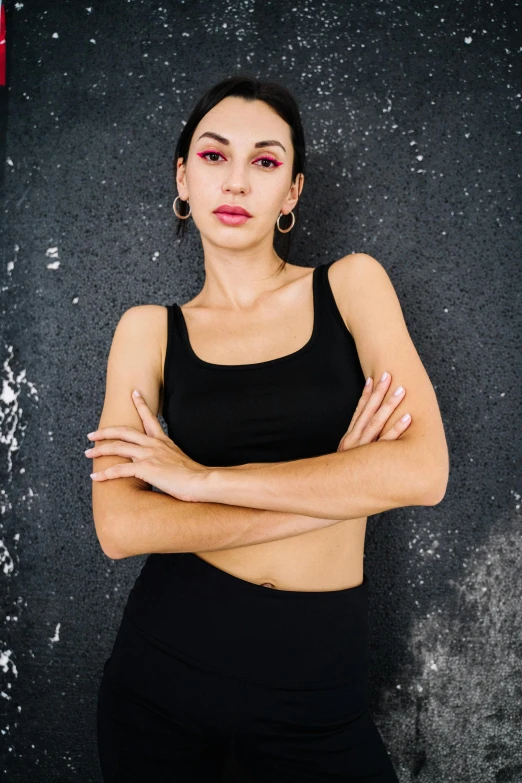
(281, 101)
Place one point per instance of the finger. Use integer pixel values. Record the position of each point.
(121, 432)
(372, 404)
(376, 423)
(150, 422)
(118, 448)
(116, 471)
(397, 429)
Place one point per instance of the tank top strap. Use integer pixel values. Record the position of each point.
(326, 309)
(174, 352)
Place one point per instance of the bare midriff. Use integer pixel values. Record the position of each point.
(330, 558)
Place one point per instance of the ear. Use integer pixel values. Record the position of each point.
(294, 193)
(181, 179)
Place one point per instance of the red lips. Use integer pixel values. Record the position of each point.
(233, 210)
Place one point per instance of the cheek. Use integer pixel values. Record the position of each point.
(199, 181)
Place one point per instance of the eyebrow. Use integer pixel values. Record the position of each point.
(269, 143)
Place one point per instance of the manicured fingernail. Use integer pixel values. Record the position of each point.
(368, 380)
(90, 434)
(406, 417)
(384, 376)
(136, 393)
(93, 475)
(398, 391)
(88, 451)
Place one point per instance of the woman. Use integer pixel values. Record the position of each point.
(245, 634)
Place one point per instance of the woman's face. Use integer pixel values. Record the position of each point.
(231, 170)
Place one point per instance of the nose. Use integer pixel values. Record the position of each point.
(236, 180)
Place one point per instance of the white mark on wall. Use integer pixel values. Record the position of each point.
(6, 561)
(56, 637)
(52, 252)
(460, 703)
(14, 381)
(10, 411)
(6, 662)
(11, 264)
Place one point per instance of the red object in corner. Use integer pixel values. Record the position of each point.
(2, 44)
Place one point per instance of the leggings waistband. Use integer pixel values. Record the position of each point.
(246, 630)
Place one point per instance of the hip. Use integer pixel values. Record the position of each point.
(204, 614)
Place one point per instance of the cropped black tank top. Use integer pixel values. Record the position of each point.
(289, 408)
(292, 407)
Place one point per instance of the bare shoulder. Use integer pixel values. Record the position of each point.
(147, 323)
(351, 278)
(152, 317)
(137, 354)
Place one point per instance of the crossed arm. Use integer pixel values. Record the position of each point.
(374, 477)
(302, 495)
(350, 484)
(263, 502)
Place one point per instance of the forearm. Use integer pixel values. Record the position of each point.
(348, 484)
(157, 522)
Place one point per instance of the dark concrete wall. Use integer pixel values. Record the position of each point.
(410, 112)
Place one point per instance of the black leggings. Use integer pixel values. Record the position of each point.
(273, 682)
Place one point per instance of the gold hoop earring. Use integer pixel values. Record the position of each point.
(183, 217)
(285, 230)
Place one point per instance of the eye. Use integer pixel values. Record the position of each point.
(272, 161)
(210, 152)
(275, 163)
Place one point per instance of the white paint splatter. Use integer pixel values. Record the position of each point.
(461, 709)
(10, 411)
(6, 561)
(52, 252)
(6, 662)
(56, 637)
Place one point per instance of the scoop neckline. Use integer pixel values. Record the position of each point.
(256, 365)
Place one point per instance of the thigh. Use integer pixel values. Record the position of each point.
(150, 724)
(313, 736)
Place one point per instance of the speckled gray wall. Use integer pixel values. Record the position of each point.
(410, 113)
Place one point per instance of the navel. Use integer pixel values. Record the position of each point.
(267, 584)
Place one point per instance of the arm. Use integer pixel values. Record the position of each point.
(129, 518)
(350, 484)
(156, 522)
(372, 478)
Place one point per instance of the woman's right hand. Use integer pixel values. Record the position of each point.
(371, 414)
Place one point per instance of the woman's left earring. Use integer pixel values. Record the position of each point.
(183, 217)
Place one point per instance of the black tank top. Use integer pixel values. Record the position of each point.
(292, 407)
(289, 408)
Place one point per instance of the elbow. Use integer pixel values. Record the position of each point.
(435, 485)
(428, 471)
(108, 541)
(111, 553)
(434, 495)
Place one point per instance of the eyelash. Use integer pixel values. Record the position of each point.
(214, 152)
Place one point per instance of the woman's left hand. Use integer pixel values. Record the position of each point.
(155, 458)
